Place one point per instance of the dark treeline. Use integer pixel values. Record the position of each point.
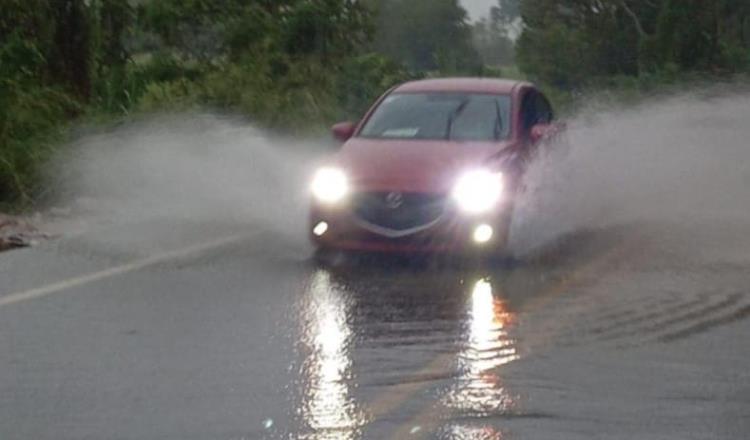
(425, 35)
(300, 64)
(567, 43)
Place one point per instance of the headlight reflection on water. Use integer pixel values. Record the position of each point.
(462, 432)
(479, 389)
(327, 408)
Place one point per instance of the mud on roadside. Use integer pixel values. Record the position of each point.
(18, 232)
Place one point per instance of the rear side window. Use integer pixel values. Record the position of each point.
(535, 109)
(528, 111)
(543, 110)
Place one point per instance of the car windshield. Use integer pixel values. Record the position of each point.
(447, 116)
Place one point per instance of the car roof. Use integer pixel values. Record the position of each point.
(462, 85)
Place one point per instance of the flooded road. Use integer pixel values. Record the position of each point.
(611, 333)
(577, 344)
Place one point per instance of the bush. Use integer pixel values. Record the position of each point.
(362, 79)
(296, 96)
(29, 131)
(178, 95)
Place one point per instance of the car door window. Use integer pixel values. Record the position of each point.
(543, 110)
(529, 115)
(535, 109)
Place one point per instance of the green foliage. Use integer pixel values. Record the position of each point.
(506, 11)
(425, 35)
(110, 22)
(362, 79)
(308, 96)
(572, 44)
(566, 42)
(330, 28)
(27, 135)
(175, 95)
(207, 29)
(298, 65)
(36, 91)
(294, 65)
(494, 36)
(492, 41)
(704, 37)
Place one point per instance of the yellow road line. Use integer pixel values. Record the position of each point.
(18, 297)
(422, 425)
(398, 394)
(428, 420)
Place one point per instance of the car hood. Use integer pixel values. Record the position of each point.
(413, 165)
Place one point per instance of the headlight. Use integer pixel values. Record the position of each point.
(479, 191)
(330, 185)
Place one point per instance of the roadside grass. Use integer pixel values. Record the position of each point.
(32, 126)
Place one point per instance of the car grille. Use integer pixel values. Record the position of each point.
(398, 212)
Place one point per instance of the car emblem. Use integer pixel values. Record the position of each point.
(394, 200)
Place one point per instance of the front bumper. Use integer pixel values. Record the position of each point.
(452, 232)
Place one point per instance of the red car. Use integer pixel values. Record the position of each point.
(434, 166)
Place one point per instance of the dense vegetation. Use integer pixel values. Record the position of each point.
(287, 64)
(570, 43)
(425, 35)
(297, 65)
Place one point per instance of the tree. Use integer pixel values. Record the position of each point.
(70, 61)
(493, 35)
(569, 42)
(506, 13)
(49, 42)
(330, 28)
(425, 35)
(112, 20)
(207, 29)
(696, 35)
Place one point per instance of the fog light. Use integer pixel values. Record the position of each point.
(320, 229)
(483, 234)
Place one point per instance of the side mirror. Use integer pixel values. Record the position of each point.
(343, 131)
(543, 132)
(539, 132)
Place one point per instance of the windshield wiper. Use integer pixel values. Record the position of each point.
(454, 114)
(499, 122)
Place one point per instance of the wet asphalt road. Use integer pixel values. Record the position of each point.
(217, 331)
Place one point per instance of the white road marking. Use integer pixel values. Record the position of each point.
(15, 298)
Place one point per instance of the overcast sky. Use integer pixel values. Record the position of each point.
(478, 8)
